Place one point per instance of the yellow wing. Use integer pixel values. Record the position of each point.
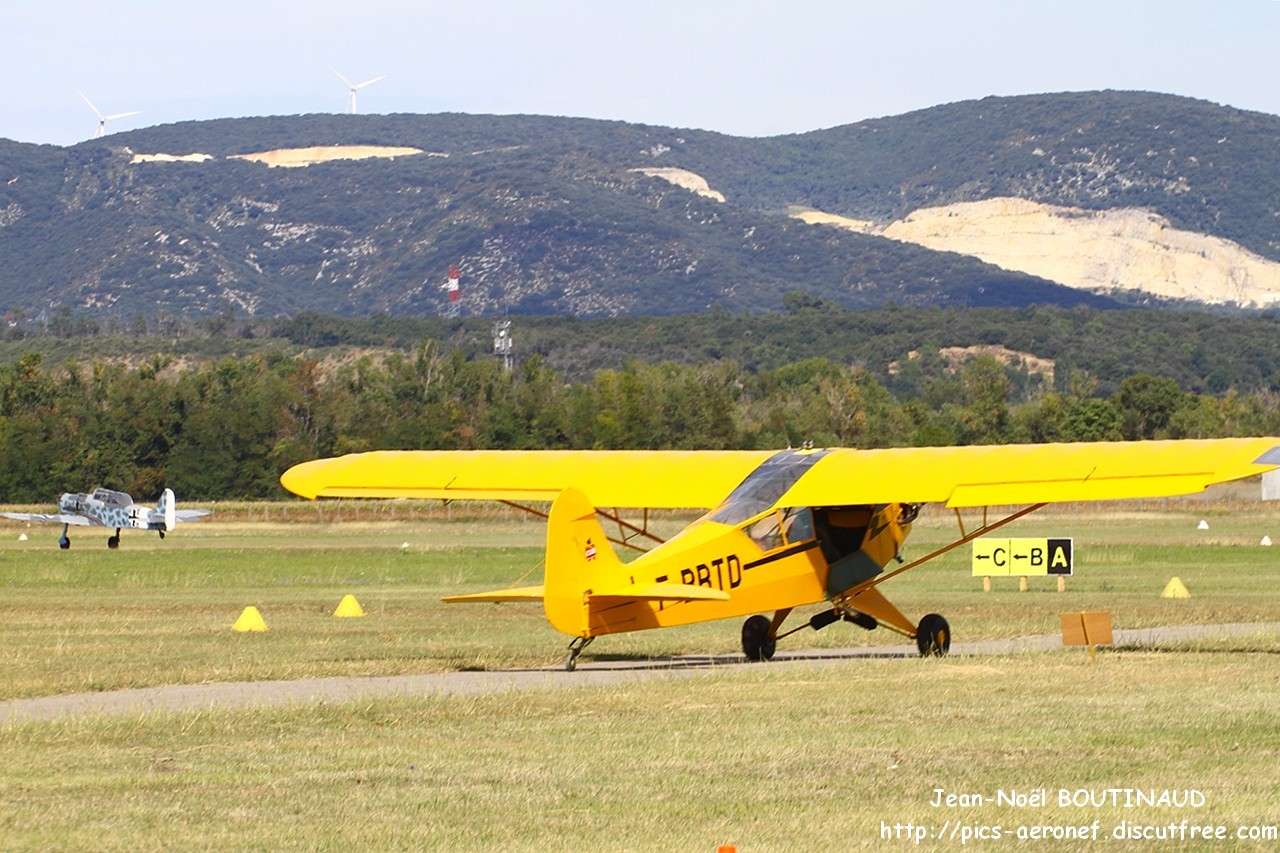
(1030, 473)
(658, 479)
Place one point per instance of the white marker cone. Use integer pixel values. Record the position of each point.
(1203, 525)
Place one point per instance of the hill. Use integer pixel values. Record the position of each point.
(575, 216)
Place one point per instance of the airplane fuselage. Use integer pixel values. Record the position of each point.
(107, 508)
(779, 559)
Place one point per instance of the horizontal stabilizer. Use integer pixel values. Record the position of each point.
(659, 592)
(521, 593)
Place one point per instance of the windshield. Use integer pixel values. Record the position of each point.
(111, 498)
(765, 485)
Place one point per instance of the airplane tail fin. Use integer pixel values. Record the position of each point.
(583, 571)
(579, 559)
(168, 509)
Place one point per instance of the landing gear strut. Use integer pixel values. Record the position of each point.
(933, 636)
(113, 542)
(575, 649)
(64, 541)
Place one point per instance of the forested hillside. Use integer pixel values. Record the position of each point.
(1201, 351)
(550, 215)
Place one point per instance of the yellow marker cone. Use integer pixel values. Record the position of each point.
(1175, 589)
(250, 621)
(349, 608)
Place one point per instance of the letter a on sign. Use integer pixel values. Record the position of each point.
(1059, 556)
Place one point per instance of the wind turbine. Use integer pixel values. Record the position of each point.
(102, 120)
(356, 87)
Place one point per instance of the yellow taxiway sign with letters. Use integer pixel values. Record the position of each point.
(1021, 557)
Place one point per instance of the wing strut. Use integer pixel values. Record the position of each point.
(625, 526)
(938, 552)
(625, 541)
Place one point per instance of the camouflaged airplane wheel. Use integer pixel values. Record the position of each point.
(64, 543)
(113, 542)
(933, 636)
(757, 644)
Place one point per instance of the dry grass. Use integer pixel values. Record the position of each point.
(783, 757)
(158, 613)
(774, 757)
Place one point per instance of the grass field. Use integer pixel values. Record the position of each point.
(158, 612)
(774, 757)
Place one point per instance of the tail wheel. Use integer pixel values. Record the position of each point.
(758, 643)
(933, 636)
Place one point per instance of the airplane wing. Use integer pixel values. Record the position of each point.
(76, 520)
(657, 479)
(1030, 473)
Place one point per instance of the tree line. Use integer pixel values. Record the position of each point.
(228, 428)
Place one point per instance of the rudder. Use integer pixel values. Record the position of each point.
(169, 509)
(578, 556)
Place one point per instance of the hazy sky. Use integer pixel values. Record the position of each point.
(741, 67)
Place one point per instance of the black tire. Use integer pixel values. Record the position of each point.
(113, 542)
(933, 636)
(757, 644)
(64, 543)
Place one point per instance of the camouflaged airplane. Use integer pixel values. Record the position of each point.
(107, 508)
(784, 529)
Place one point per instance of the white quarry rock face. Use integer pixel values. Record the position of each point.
(691, 181)
(1118, 249)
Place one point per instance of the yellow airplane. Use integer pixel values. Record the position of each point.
(782, 529)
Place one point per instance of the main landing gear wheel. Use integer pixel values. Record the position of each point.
(933, 636)
(113, 542)
(758, 643)
(64, 543)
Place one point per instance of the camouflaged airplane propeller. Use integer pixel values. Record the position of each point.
(107, 508)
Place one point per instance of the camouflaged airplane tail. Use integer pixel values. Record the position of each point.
(165, 515)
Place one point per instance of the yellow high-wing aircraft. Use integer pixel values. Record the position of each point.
(783, 529)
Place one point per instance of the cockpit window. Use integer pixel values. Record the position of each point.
(783, 527)
(110, 497)
(766, 532)
(797, 524)
(765, 485)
